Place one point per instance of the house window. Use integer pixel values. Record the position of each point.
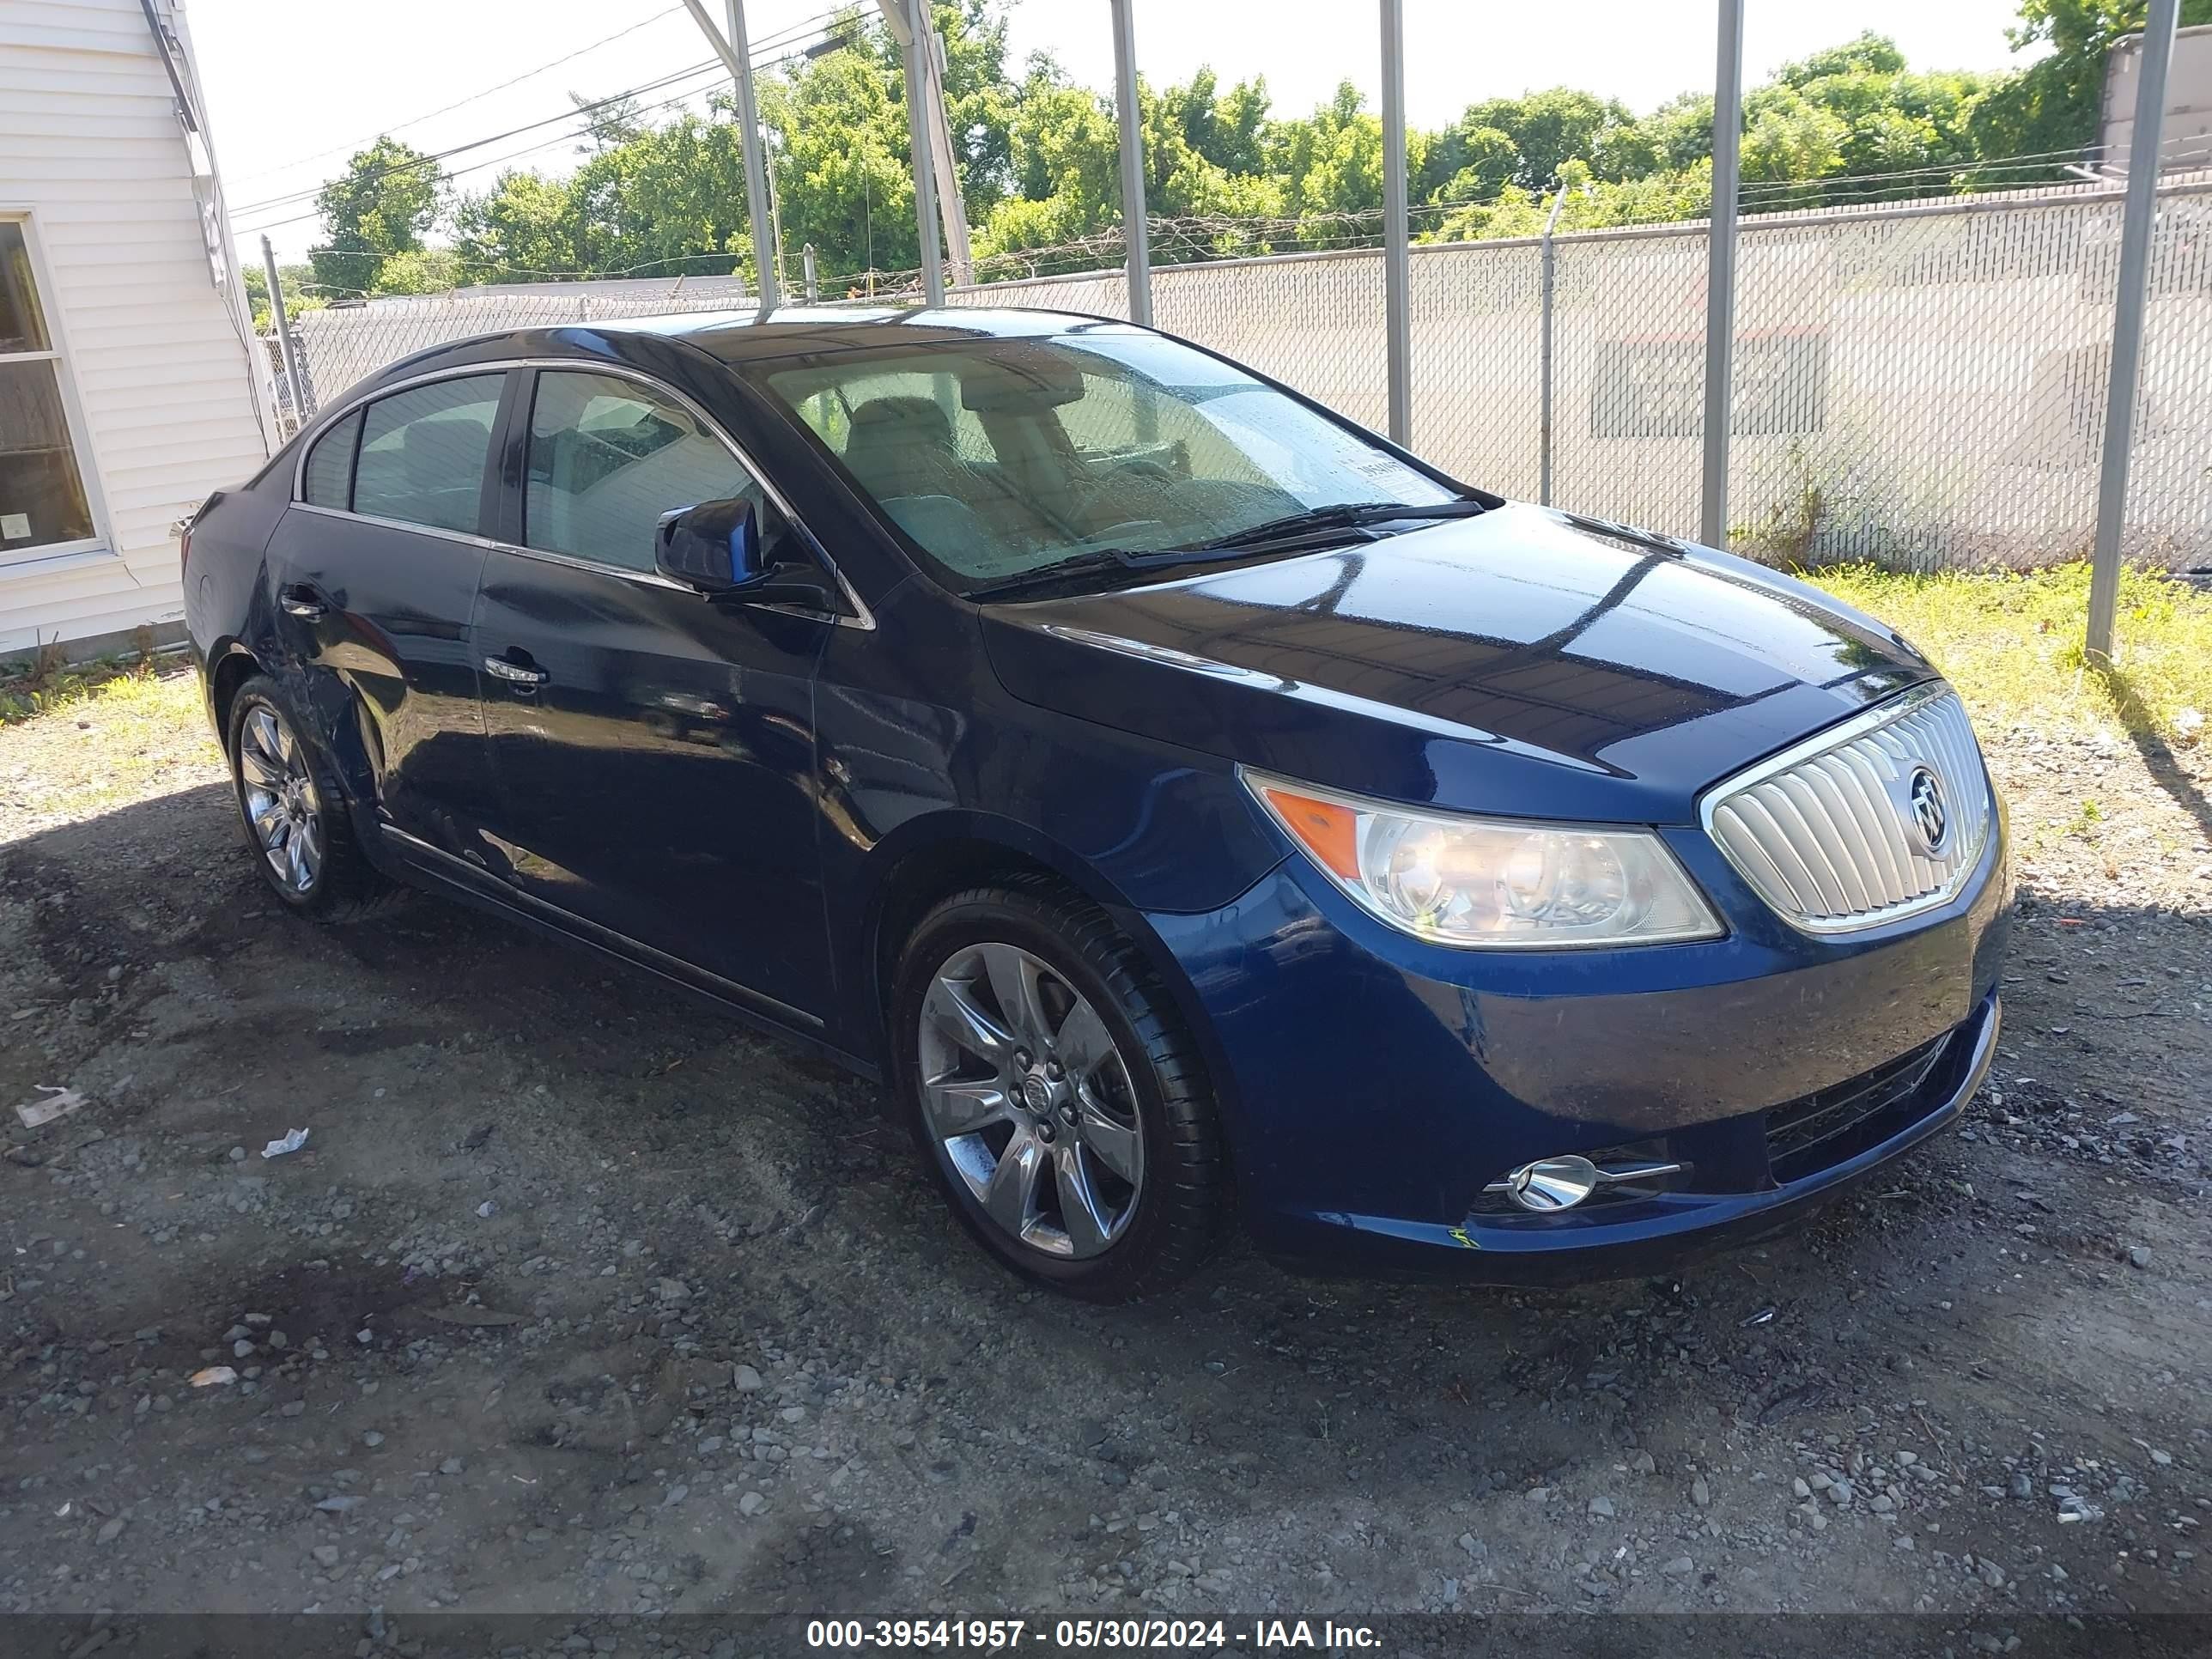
(43, 505)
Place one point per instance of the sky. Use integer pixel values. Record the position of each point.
(288, 104)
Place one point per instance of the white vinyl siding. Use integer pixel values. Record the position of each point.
(156, 370)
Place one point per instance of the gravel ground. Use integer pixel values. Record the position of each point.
(579, 1300)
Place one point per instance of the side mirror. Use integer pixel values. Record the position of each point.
(714, 548)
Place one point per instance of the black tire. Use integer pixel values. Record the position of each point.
(345, 885)
(1180, 1205)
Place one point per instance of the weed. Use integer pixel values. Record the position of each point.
(2011, 642)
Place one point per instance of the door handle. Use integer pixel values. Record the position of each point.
(302, 601)
(515, 673)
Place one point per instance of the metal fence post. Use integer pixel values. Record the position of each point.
(1397, 262)
(806, 263)
(1135, 232)
(735, 57)
(2140, 218)
(917, 122)
(282, 324)
(1550, 266)
(1720, 273)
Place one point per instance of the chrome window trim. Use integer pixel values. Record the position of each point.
(571, 562)
(1883, 714)
(378, 520)
(862, 617)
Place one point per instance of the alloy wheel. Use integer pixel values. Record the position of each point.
(281, 801)
(1029, 1101)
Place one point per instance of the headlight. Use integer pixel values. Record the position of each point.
(1492, 882)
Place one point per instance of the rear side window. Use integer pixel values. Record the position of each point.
(423, 453)
(330, 465)
(608, 457)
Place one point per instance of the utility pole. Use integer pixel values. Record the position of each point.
(1397, 259)
(806, 263)
(1135, 232)
(1720, 273)
(737, 58)
(284, 327)
(2139, 218)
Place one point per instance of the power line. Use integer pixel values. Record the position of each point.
(460, 103)
(713, 72)
(711, 67)
(497, 160)
(805, 27)
(396, 167)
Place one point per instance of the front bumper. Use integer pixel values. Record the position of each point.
(1374, 1085)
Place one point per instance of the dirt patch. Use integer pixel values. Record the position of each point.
(591, 1302)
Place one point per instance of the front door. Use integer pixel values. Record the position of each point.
(654, 754)
(374, 571)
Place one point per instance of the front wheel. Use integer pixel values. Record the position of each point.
(1054, 1094)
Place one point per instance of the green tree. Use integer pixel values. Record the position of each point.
(1039, 164)
(1331, 162)
(1546, 130)
(1855, 110)
(383, 203)
(420, 270)
(300, 293)
(607, 124)
(524, 227)
(841, 162)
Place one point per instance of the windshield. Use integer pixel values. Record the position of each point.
(999, 458)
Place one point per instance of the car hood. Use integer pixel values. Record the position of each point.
(1525, 661)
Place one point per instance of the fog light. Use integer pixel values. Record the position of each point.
(1553, 1183)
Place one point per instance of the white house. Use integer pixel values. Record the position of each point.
(127, 392)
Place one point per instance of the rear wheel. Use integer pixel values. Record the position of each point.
(1057, 1099)
(294, 822)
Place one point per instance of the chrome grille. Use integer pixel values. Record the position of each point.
(1827, 833)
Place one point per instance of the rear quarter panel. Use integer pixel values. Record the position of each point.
(225, 595)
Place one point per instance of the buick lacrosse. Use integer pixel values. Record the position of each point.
(1195, 809)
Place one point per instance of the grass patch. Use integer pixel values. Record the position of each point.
(101, 744)
(2011, 642)
(46, 681)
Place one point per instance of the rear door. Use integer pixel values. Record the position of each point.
(654, 752)
(376, 569)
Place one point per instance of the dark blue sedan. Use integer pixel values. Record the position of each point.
(1189, 804)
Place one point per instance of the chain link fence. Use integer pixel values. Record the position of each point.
(1920, 385)
(340, 345)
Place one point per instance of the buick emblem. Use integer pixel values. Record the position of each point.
(1924, 794)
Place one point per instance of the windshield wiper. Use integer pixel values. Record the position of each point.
(1344, 515)
(1082, 564)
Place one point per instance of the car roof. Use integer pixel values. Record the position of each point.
(736, 337)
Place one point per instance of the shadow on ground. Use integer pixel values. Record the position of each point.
(591, 1300)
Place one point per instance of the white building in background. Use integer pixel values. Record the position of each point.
(2186, 132)
(126, 390)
